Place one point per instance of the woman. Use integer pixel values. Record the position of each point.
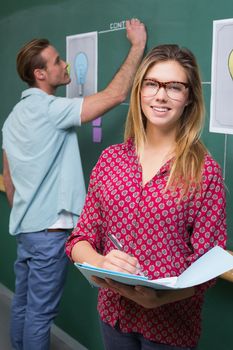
(162, 195)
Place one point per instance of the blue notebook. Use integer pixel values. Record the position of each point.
(210, 265)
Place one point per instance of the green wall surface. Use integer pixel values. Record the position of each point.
(186, 22)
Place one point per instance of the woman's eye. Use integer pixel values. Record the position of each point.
(175, 87)
(151, 84)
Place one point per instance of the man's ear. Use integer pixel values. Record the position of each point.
(39, 74)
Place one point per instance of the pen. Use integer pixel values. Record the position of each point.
(115, 241)
(119, 246)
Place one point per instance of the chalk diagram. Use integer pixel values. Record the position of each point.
(221, 107)
(82, 56)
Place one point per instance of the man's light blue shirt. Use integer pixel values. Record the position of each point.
(40, 141)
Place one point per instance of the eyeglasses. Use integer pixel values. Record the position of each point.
(174, 89)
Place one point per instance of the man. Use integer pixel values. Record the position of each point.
(43, 177)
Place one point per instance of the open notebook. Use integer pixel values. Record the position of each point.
(210, 265)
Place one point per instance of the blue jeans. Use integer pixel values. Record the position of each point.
(40, 271)
(114, 339)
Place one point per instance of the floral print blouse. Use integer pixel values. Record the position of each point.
(164, 232)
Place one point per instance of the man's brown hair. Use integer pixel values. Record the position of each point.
(29, 58)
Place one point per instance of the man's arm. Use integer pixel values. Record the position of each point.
(117, 90)
(10, 189)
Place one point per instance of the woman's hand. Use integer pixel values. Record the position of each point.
(147, 297)
(117, 260)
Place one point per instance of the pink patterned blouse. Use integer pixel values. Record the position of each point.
(165, 234)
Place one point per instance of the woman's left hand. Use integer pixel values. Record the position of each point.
(147, 297)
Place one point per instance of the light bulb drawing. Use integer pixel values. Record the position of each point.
(82, 52)
(230, 63)
(81, 68)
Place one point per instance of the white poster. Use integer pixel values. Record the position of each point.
(81, 54)
(221, 107)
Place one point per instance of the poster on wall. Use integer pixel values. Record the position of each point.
(221, 105)
(81, 54)
(82, 57)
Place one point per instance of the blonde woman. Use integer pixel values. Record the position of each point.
(161, 194)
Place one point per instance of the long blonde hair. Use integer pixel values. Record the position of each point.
(189, 150)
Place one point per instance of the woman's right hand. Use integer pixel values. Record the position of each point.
(115, 260)
(119, 261)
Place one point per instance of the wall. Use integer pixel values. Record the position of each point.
(188, 23)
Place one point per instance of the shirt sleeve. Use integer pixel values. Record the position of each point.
(209, 227)
(64, 112)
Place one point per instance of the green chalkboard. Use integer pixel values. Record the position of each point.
(186, 22)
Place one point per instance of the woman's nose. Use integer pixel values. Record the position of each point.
(161, 94)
